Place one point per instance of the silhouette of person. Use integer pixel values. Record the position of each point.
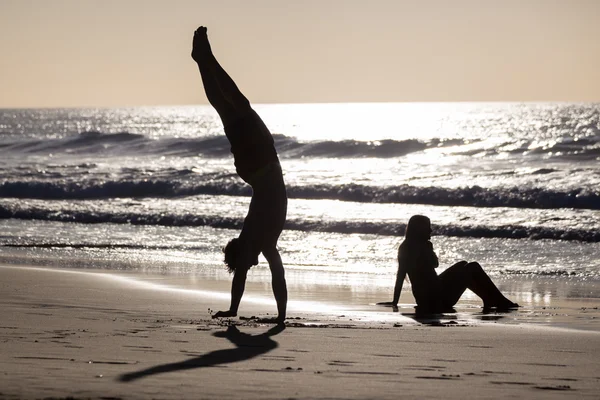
(247, 347)
(438, 293)
(256, 162)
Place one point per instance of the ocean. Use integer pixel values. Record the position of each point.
(514, 186)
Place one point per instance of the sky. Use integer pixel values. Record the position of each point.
(106, 53)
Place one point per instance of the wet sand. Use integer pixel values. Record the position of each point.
(106, 335)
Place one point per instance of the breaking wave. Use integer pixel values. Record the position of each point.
(474, 196)
(125, 143)
(344, 227)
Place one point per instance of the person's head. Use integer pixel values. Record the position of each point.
(418, 228)
(231, 252)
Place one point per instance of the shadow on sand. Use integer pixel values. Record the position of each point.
(247, 347)
(450, 316)
(433, 318)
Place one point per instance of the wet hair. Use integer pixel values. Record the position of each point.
(231, 252)
(418, 228)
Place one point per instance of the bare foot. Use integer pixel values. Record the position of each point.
(504, 305)
(224, 314)
(200, 44)
(508, 305)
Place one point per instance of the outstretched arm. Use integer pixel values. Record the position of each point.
(237, 291)
(407, 258)
(238, 285)
(221, 91)
(400, 276)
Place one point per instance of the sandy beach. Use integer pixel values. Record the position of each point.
(323, 156)
(82, 334)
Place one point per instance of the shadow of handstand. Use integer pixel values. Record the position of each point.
(248, 346)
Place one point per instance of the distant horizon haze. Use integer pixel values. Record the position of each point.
(69, 53)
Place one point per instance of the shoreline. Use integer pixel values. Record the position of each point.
(572, 310)
(85, 334)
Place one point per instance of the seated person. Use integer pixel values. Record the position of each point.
(438, 293)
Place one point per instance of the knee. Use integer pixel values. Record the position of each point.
(271, 254)
(473, 267)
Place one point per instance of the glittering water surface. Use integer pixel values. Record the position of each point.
(154, 190)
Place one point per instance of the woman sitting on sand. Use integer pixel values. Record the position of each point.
(435, 293)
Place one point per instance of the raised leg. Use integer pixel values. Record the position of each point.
(221, 91)
(471, 276)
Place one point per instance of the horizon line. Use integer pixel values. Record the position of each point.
(312, 103)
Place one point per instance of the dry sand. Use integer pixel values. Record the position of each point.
(98, 335)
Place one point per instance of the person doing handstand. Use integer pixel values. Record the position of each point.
(256, 162)
(439, 293)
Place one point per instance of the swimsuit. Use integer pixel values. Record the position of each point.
(256, 162)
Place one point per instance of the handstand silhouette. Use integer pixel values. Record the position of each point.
(256, 162)
(435, 293)
(247, 347)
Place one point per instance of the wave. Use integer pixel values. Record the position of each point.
(125, 143)
(90, 190)
(388, 148)
(99, 143)
(85, 142)
(344, 227)
(222, 184)
(473, 196)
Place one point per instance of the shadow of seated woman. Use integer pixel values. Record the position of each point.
(247, 347)
(432, 317)
(425, 315)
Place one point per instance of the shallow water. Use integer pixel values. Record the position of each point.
(326, 281)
